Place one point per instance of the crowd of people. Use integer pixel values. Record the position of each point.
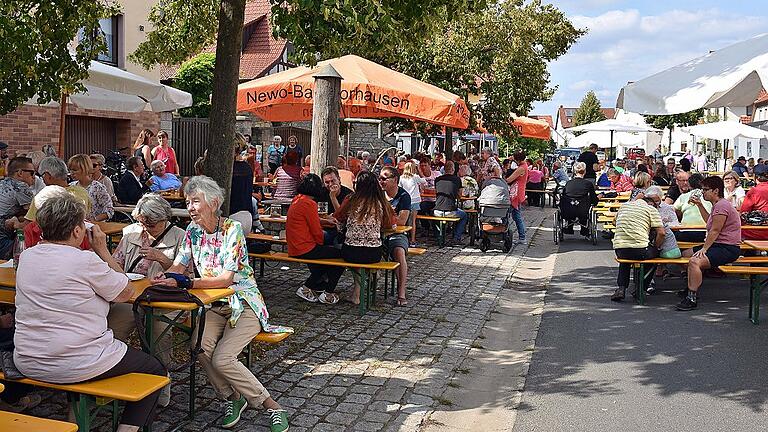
(667, 195)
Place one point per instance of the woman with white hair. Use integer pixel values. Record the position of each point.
(275, 154)
(161, 180)
(216, 246)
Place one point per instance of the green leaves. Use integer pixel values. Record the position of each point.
(36, 37)
(668, 121)
(588, 111)
(196, 77)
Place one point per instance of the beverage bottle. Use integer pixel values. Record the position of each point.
(18, 248)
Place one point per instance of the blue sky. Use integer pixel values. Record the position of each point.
(629, 40)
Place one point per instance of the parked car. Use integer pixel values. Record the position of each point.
(600, 155)
(635, 153)
(568, 156)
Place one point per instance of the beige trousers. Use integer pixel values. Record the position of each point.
(221, 344)
(120, 320)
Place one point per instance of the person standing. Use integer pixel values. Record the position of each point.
(701, 162)
(164, 152)
(412, 183)
(517, 181)
(275, 154)
(142, 147)
(589, 158)
(293, 145)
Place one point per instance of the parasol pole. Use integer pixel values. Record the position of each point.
(610, 153)
(62, 116)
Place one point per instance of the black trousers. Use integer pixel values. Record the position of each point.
(273, 167)
(635, 254)
(317, 273)
(426, 209)
(690, 236)
(140, 413)
(361, 254)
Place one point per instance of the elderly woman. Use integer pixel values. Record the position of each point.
(216, 247)
(288, 176)
(80, 167)
(161, 180)
(64, 338)
(147, 247)
(721, 246)
(734, 193)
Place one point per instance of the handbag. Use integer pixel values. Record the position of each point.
(163, 293)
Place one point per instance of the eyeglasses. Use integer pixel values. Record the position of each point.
(730, 179)
(28, 171)
(706, 189)
(384, 178)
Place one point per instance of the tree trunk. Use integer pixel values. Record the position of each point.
(325, 119)
(226, 75)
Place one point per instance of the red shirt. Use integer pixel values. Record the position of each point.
(302, 227)
(33, 234)
(756, 199)
(624, 184)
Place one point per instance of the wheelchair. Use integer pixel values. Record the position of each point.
(573, 211)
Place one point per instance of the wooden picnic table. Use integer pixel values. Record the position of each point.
(175, 212)
(111, 228)
(400, 229)
(703, 227)
(757, 244)
(173, 195)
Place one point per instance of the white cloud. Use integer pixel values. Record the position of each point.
(627, 45)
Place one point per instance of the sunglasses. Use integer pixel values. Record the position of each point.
(384, 178)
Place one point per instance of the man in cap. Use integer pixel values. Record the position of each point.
(741, 167)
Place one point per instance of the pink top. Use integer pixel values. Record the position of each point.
(535, 176)
(731, 232)
(520, 182)
(167, 155)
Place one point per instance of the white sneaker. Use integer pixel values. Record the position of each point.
(165, 396)
(307, 294)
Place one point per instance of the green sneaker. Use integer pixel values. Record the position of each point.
(232, 412)
(278, 420)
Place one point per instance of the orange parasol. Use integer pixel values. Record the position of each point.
(526, 127)
(368, 90)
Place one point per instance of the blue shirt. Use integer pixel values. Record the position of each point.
(166, 182)
(560, 176)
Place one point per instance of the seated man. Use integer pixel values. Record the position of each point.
(635, 223)
(333, 195)
(397, 244)
(448, 191)
(578, 195)
(756, 200)
(689, 213)
(619, 182)
(160, 180)
(15, 197)
(131, 188)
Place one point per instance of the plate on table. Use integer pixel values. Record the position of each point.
(135, 276)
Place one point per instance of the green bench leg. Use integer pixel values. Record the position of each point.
(440, 233)
(361, 276)
(641, 285)
(756, 288)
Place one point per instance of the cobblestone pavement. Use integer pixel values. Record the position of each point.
(383, 371)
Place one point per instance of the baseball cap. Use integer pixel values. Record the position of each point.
(742, 158)
(3, 145)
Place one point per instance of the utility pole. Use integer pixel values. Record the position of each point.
(325, 119)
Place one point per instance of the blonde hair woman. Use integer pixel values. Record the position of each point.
(80, 167)
(641, 182)
(411, 181)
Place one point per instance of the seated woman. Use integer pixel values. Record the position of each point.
(365, 213)
(305, 240)
(721, 246)
(641, 182)
(578, 196)
(216, 247)
(288, 177)
(80, 168)
(161, 180)
(734, 193)
(64, 338)
(147, 247)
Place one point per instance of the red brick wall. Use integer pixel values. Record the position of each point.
(30, 127)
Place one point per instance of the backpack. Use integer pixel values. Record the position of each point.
(162, 293)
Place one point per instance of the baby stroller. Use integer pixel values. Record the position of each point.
(493, 214)
(572, 211)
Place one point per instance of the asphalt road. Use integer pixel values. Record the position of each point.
(603, 366)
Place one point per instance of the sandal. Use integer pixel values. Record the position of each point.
(401, 301)
(307, 294)
(328, 298)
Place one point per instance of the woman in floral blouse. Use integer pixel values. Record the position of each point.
(216, 246)
(81, 167)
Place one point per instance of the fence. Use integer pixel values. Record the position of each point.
(190, 139)
(89, 135)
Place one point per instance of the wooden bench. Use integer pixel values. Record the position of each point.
(277, 240)
(755, 286)
(639, 266)
(440, 222)
(365, 273)
(130, 387)
(265, 338)
(416, 251)
(12, 422)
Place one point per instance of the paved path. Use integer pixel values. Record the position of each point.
(385, 371)
(601, 366)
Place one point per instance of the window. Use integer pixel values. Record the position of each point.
(109, 29)
(749, 110)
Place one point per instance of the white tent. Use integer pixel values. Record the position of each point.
(732, 76)
(603, 139)
(112, 89)
(726, 130)
(610, 127)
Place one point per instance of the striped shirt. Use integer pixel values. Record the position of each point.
(633, 225)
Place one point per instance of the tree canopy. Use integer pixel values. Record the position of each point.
(196, 77)
(36, 37)
(588, 111)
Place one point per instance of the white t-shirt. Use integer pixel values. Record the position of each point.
(411, 185)
(62, 302)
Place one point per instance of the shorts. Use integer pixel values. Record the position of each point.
(396, 241)
(672, 253)
(721, 254)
